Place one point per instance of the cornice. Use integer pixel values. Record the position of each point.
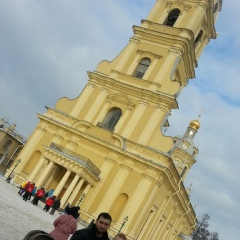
(152, 97)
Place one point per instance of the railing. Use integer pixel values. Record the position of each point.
(77, 157)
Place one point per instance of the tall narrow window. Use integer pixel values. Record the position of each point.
(142, 68)
(172, 17)
(198, 39)
(111, 119)
(8, 143)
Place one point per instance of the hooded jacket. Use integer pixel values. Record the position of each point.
(88, 234)
(64, 226)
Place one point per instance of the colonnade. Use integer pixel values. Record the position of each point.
(73, 188)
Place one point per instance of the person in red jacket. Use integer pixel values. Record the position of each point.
(39, 194)
(49, 202)
(28, 191)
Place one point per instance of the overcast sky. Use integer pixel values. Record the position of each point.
(47, 47)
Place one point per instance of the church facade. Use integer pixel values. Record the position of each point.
(106, 150)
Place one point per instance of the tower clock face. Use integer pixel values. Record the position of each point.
(191, 132)
(184, 146)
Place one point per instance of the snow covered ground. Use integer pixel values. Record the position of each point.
(18, 217)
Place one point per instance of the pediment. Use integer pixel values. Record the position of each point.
(121, 98)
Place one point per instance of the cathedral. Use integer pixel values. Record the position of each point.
(107, 151)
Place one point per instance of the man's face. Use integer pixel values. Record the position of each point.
(102, 225)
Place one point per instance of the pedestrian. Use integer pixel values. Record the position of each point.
(39, 194)
(10, 177)
(24, 188)
(65, 209)
(65, 225)
(45, 196)
(49, 202)
(55, 206)
(74, 209)
(32, 193)
(120, 236)
(97, 231)
(28, 191)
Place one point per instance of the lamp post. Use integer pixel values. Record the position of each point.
(18, 161)
(123, 223)
(81, 198)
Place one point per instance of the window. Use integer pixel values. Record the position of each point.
(111, 119)
(215, 8)
(142, 68)
(8, 143)
(172, 17)
(198, 39)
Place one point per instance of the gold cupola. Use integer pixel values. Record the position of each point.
(195, 124)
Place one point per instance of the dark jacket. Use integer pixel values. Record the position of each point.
(56, 204)
(88, 234)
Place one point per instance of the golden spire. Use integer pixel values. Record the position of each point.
(195, 124)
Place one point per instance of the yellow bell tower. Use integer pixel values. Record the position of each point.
(106, 151)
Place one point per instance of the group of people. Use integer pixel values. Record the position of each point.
(66, 223)
(28, 189)
(97, 230)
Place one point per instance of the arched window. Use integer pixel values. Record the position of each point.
(142, 68)
(198, 39)
(111, 119)
(215, 8)
(172, 17)
(7, 144)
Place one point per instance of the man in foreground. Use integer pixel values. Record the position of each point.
(98, 231)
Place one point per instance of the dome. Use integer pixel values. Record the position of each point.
(195, 124)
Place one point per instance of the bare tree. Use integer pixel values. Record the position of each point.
(202, 232)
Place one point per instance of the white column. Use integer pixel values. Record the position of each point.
(105, 170)
(163, 16)
(131, 125)
(125, 55)
(169, 65)
(82, 99)
(44, 174)
(157, 220)
(122, 120)
(134, 63)
(69, 190)
(144, 209)
(103, 112)
(112, 192)
(152, 125)
(95, 106)
(197, 18)
(154, 10)
(151, 67)
(62, 183)
(133, 206)
(75, 191)
(36, 169)
(28, 149)
(163, 230)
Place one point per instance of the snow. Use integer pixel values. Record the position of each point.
(18, 217)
